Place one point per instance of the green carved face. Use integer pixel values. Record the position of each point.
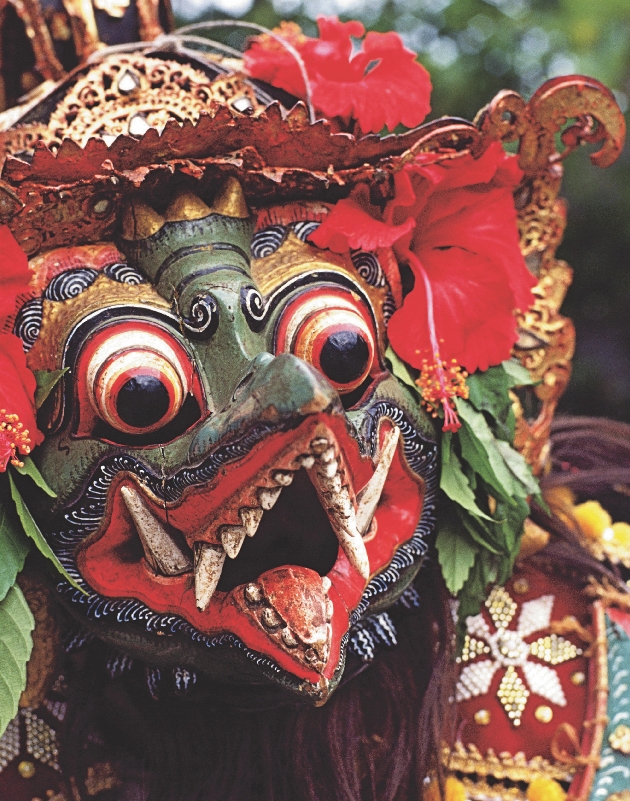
(241, 483)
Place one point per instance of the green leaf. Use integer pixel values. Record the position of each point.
(518, 376)
(519, 468)
(16, 644)
(13, 546)
(32, 530)
(475, 453)
(481, 532)
(453, 481)
(456, 552)
(494, 470)
(475, 590)
(46, 382)
(402, 371)
(489, 392)
(31, 471)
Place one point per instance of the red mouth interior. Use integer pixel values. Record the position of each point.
(295, 532)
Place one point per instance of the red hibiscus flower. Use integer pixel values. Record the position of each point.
(18, 427)
(463, 249)
(381, 85)
(14, 271)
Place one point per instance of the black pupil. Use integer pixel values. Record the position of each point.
(142, 401)
(344, 356)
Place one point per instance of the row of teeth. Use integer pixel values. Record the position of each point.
(349, 519)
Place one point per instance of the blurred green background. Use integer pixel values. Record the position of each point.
(474, 48)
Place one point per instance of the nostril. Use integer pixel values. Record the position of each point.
(242, 385)
(258, 363)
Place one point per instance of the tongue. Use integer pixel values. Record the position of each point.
(290, 605)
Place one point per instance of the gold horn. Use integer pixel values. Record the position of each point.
(186, 206)
(140, 221)
(230, 202)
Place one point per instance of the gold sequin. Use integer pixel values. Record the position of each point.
(578, 678)
(472, 648)
(513, 695)
(501, 607)
(482, 717)
(554, 649)
(26, 769)
(544, 714)
(620, 739)
(521, 586)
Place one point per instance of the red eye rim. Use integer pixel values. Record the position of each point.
(310, 319)
(149, 350)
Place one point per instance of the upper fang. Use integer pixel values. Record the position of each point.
(161, 551)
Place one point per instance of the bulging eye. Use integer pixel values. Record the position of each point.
(332, 331)
(137, 381)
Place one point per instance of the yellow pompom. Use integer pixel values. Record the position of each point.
(542, 789)
(454, 790)
(621, 534)
(592, 519)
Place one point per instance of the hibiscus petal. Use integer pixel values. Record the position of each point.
(17, 388)
(471, 307)
(382, 84)
(484, 223)
(349, 226)
(14, 271)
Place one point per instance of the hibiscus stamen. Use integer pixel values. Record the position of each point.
(439, 382)
(13, 438)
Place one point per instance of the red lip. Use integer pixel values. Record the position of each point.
(289, 613)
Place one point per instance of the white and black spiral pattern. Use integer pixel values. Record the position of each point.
(304, 229)
(368, 267)
(267, 241)
(28, 322)
(123, 273)
(70, 284)
(204, 316)
(253, 307)
(389, 306)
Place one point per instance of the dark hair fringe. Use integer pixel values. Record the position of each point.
(382, 730)
(374, 740)
(591, 456)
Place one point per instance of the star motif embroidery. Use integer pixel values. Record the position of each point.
(507, 650)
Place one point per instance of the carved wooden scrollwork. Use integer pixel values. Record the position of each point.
(580, 111)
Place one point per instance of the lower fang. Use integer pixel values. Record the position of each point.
(209, 561)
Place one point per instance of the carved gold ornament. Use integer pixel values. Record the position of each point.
(130, 94)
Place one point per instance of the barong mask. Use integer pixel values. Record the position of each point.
(256, 331)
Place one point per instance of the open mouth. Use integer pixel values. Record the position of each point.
(276, 549)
